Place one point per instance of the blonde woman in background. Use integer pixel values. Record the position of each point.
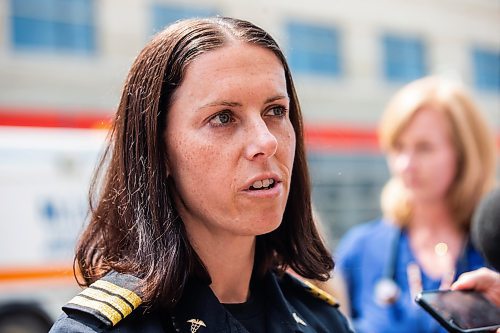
(442, 159)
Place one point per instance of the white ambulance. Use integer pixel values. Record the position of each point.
(45, 173)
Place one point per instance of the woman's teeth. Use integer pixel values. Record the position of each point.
(259, 184)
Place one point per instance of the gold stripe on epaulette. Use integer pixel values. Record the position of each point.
(104, 309)
(129, 295)
(116, 301)
(320, 293)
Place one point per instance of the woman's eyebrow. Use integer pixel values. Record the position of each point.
(220, 103)
(275, 98)
(234, 104)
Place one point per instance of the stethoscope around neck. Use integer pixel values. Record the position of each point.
(386, 290)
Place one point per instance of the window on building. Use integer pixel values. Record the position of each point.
(314, 49)
(163, 15)
(404, 58)
(486, 69)
(53, 25)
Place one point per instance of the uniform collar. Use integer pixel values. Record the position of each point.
(200, 305)
(286, 317)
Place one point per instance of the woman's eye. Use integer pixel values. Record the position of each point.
(424, 147)
(221, 119)
(279, 111)
(397, 147)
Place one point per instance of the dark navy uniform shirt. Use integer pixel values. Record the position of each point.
(112, 304)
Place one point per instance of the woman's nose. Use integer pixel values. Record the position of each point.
(261, 143)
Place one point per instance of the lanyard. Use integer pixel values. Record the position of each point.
(386, 289)
(414, 274)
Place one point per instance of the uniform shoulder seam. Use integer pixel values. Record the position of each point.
(313, 290)
(109, 299)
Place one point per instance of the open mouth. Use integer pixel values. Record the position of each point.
(265, 184)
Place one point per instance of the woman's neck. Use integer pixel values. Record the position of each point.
(432, 215)
(229, 261)
(435, 238)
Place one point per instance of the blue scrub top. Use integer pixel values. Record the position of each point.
(362, 257)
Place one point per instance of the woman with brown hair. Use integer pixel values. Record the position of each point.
(205, 196)
(442, 160)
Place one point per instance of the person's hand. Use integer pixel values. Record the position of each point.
(483, 280)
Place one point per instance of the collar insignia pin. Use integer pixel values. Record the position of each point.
(298, 319)
(196, 324)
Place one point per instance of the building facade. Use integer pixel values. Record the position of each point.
(348, 57)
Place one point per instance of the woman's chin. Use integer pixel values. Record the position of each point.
(262, 227)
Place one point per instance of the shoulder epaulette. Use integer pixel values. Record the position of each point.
(109, 299)
(314, 290)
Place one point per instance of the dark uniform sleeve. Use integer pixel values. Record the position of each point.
(154, 322)
(65, 324)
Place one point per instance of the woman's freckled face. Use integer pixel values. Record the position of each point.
(230, 142)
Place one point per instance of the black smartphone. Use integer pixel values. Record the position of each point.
(461, 310)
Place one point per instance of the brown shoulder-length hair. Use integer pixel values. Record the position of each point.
(134, 227)
(470, 135)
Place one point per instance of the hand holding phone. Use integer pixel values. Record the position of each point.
(461, 310)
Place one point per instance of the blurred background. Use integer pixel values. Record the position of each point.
(63, 63)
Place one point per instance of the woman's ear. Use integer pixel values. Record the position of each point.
(167, 168)
(166, 165)
(165, 156)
